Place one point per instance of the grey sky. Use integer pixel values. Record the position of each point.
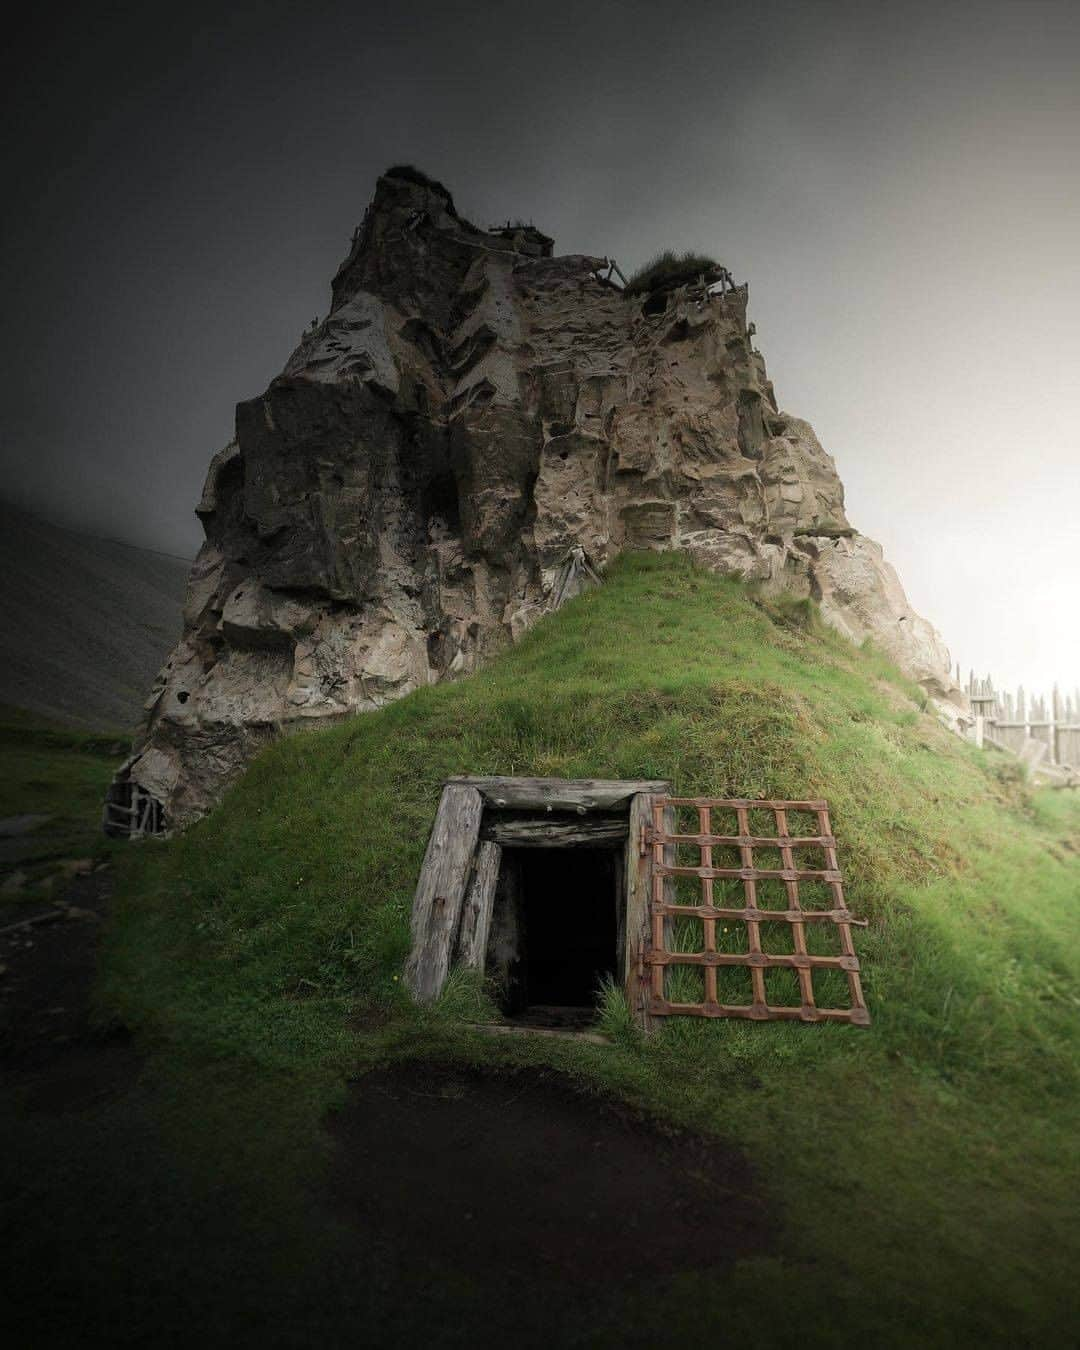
(899, 183)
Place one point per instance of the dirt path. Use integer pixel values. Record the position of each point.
(458, 1207)
(552, 1200)
(50, 1047)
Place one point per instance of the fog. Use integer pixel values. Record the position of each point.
(899, 186)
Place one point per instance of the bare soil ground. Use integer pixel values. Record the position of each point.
(458, 1206)
(554, 1200)
(51, 1050)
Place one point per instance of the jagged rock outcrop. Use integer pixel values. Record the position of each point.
(475, 428)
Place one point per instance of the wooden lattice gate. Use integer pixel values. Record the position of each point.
(750, 939)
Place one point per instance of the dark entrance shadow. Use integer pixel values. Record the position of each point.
(559, 911)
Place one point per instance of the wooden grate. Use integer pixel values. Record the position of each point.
(753, 920)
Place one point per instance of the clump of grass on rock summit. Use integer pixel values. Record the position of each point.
(924, 1167)
(411, 174)
(669, 269)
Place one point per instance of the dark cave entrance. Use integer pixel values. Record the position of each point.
(556, 931)
(542, 888)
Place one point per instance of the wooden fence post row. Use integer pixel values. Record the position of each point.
(1045, 733)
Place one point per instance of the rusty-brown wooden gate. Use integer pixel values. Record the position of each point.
(747, 913)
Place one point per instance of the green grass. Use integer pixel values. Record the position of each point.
(52, 771)
(668, 270)
(925, 1169)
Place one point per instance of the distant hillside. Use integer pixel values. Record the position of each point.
(85, 623)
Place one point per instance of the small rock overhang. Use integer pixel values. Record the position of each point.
(480, 817)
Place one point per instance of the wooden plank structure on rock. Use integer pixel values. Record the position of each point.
(663, 836)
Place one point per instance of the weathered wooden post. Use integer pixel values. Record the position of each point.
(479, 901)
(1055, 726)
(441, 889)
(638, 889)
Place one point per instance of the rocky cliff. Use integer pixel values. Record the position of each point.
(475, 430)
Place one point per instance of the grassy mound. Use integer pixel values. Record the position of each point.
(669, 269)
(924, 1168)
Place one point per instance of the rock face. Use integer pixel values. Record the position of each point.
(475, 430)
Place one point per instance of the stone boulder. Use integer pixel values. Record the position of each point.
(475, 430)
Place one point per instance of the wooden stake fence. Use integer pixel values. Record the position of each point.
(1045, 732)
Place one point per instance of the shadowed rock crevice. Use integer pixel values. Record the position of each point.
(473, 414)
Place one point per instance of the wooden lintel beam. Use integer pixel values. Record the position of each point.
(542, 832)
(558, 794)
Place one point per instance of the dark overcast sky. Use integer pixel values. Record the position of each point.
(900, 183)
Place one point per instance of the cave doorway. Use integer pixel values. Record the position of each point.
(541, 887)
(556, 932)
(521, 877)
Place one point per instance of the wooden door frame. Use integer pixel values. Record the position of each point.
(452, 907)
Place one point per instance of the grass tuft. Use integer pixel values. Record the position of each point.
(615, 1016)
(670, 269)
